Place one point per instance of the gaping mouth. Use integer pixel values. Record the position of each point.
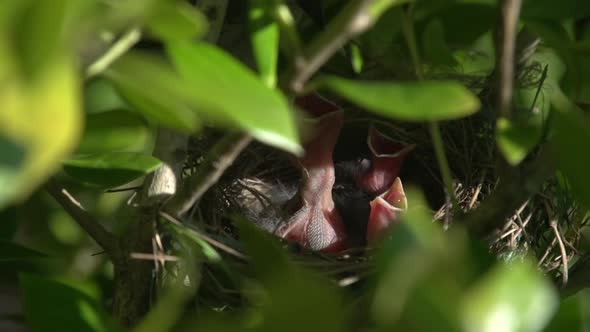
(316, 223)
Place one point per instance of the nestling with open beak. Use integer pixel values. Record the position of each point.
(350, 203)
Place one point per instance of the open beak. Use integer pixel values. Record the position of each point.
(385, 210)
(315, 222)
(382, 179)
(386, 161)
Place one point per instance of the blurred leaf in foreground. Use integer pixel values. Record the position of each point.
(110, 169)
(410, 101)
(50, 305)
(228, 93)
(113, 131)
(512, 297)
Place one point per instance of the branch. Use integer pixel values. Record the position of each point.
(95, 230)
(217, 160)
(120, 47)
(505, 54)
(354, 19)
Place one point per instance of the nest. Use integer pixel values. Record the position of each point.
(547, 226)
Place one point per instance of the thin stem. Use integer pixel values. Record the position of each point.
(505, 54)
(443, 163)
(351, 21)
(434, 128)
(217, 160)
(410, 36)
(107, 241)
(120, 47)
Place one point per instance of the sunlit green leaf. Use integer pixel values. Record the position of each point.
(265, 41)
(514, 297)
(113, 131)
(10, 251)
(518, 136)
(356, 58)
(174, 20)
(411, 101)
(40, 33)
(110, 169)
(73, 311)
(40, 124)
(151, 86)
(229, 92)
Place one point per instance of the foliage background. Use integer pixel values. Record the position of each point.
(99, 96)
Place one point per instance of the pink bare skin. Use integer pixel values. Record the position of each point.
(316, 223)
(385, 210)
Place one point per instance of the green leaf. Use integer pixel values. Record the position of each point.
(100, 96)
(356, 58)
(110, 169)
(228, 92)
(10, 252)
(463, 22)
(553, 10)
(50, 305)
(40, 33)
(411, 101)
(265, 41)
(434, 44)
(516, 137)
(113, 131)
(288, 289)
(151, 86)
(404, 262)
(514, 297)
(571, 132)
(40, 124)
(573, 314)
(380, 38)
(174, 20)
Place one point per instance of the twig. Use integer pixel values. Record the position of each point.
(217, 160)
(547, 252)
(477, 192)
(443, 164)
(95, 230)
(204, 237)
(509, 195)
(350, 22)
(505, 53)
(155, 257)
(564, 259)
(434, 128)
(120, 47)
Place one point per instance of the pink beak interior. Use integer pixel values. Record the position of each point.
(386, 162)
(385, 210)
